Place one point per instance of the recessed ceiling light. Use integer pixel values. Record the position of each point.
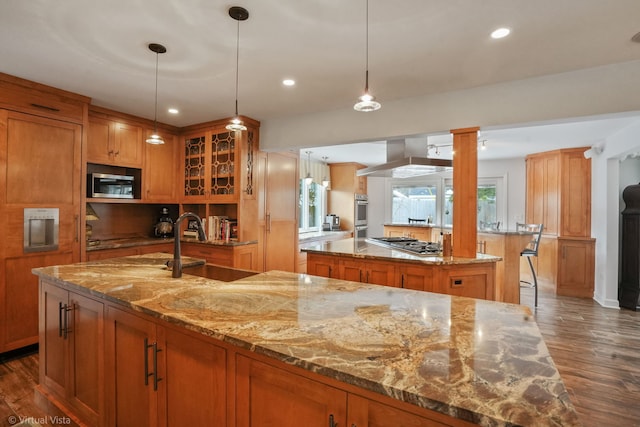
(288, 82)
(173, 111)
(500, 33)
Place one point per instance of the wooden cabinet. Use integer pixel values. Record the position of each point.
(416, 277)
(133, 250)
(559, 196)
(114, 142)
(371, 413)
(30, 178)
(278, 211)
(344, 185)
(159, 171)
(322, 265)
(72, 351)
(575, 267)
(238, 256)
(161, 376)
(475, 280)
(374, 272)
(269, 396)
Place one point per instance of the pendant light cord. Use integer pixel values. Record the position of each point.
(366, 78)
(238, 63)
(155, 113)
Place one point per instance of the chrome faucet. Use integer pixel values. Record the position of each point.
(177, 264)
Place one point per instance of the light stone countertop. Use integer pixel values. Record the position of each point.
(478, 360)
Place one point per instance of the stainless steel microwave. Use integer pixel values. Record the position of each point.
(110, 186)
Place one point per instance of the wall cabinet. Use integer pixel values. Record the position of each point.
(344, 185)
(159, 170)
(115, 142)
(72, 350)
(161, 376)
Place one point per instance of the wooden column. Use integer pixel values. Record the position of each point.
(465, 192)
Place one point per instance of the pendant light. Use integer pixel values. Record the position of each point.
(367, 102)
(155, 138)
(308, 179)
(325, 180)
(239, 14)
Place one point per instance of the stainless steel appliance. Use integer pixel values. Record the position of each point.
(110, 186)
(361, 214)
(408, 244)
(331, 223)
(41, 227)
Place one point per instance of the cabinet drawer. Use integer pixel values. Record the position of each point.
(35, 101)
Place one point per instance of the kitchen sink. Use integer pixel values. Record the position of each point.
(217, 272)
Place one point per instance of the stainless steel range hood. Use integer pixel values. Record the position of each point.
(401, 165)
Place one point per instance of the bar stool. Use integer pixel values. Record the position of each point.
(531, 250)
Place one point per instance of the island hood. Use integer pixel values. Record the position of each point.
(401, 164)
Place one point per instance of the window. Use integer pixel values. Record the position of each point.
(413, 201)
(312, 206)
(489, 203)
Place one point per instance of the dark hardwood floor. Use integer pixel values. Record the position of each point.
(596, 350)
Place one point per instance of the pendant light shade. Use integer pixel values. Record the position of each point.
(325, 179)
(239, 14)
(155, 138)
(367, 102)
(308, 179)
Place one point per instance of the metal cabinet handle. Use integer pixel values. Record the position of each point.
(63, 320)
(332, 423)
(77, 219)
(60, 311)
(156, 378)
(330, 271)
(268, 222)
(65, 331)
(146, 361)
(401, 284)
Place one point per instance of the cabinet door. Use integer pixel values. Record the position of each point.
(196, 167)
(419, 278)
(575, 268)
(576, 195)
(366, 412)
(378, 273)
(100, 140)
(268, 396)
(130, 372)
(194, 380)
(128, 145)
(325, 266)
(53, 349)
(111, 253)
(86, 357)
(159, 178)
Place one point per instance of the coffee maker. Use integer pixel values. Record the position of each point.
(164, 227)
(331, 223)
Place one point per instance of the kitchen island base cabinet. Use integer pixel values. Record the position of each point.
(72, 351)
(374, 272)
(268, 396)
(159, 376)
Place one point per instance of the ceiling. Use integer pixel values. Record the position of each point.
(416, 48)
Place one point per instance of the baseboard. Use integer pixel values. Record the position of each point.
(56, 409)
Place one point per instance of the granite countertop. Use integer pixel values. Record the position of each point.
(355, 248)
(145, 241)
(478, 360)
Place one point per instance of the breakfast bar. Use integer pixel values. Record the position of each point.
(276, 347)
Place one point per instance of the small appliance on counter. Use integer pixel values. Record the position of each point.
(164, 227)
(331, 223)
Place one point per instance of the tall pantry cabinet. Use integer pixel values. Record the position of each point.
(41, 131)
(559, 196)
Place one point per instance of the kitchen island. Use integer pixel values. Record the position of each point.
(363, 261)
(133, 346)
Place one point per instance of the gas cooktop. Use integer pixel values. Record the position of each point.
(408, 244)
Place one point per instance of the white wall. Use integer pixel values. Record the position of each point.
(609, 178)
(512, 170)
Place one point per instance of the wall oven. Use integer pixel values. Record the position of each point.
(361, 210)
